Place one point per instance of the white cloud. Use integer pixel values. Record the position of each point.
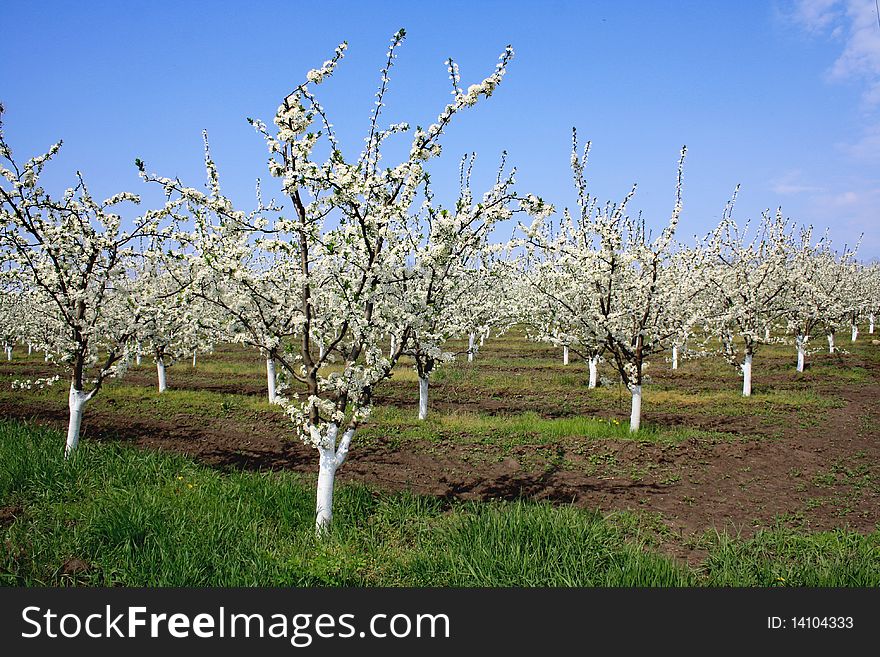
(817, 15)
(861, 54)
(867, 147)
(849, 207)
(853, 214)
(790, 183)
(848, 200)
(855, 24)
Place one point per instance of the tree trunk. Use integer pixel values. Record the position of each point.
(76, 402)
(855, 332)
(675, 356)
(747, 375)
(137, 358)
(830, 343)
(801, 351)
(635, 416)
(471, 350)
(565, 354)
(871, 324)
(331, 458)
(30, 349)
(767, 334)
(9, 352)
(324, 498)
(270, 380)
(160, 369)
(194, 358)
(423, 397)
(594, 371)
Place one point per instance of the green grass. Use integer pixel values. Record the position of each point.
(526, 428)
(731, 402)
(834, 371)
(784, 557)
(537, 545)
(210, 364)
(200, 403)
(144, 518)
(149, 402)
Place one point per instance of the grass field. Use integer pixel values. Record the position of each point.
(116, 515)
(521, 476)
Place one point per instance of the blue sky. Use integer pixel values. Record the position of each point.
(780, 97)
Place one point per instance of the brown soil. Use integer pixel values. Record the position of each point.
(74, 566)
(8, 514)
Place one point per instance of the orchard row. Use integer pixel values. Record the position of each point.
(360, 266)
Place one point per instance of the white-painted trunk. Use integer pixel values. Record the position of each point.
(270, 380)
(30, 349)
(594, 371)
(482, 338)
(801, 351)
(675, 356)
(830, 343)
(471, 339)
(137, 358)
(423, 397)
(76, 402)
(321, 352)
(331, 457)
(160, 369)
(767, 334)
(747, 375)
(871, 324)
(635, 416)
(855, 332)
(326, 477)
(46, 357)
(9, 352)
(565, 354)
(194, 358)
